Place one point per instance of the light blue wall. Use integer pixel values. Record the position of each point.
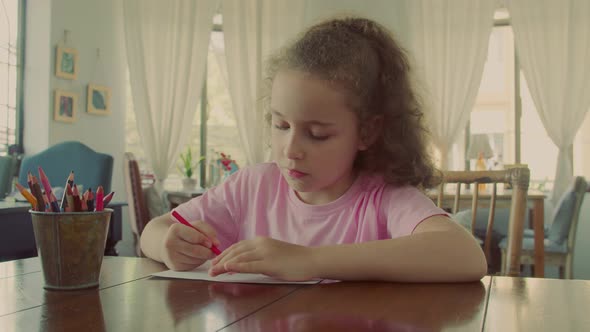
(92, 24)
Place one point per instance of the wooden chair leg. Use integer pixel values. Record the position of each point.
(569, 268)
(503, 263)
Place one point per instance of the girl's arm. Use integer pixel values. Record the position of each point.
(153, 236)
(438, 250)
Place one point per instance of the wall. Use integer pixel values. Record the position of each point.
(92, 24)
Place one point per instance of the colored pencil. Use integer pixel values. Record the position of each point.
(77, 201)
(69, 198)
(99, 198)
(107, 199)
(38, 194)
(30, 181)
(45, 182)
(181, 219)
(26, 194)
(70, 181)
(90, 199)
(53, 203)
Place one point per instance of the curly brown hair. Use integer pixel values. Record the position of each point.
(362, 57)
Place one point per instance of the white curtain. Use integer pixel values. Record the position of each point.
(448, 41)
(253, 29)
(167, 43)
(553, 45)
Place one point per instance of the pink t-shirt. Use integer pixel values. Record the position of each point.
(257, 201)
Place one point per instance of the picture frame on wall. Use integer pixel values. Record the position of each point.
(66, 63)
(98, 100)
(64, 107)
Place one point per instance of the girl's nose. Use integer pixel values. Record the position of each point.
(293, 149)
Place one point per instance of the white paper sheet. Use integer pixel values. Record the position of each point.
(201, 273)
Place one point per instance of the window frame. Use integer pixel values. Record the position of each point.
(20, 70)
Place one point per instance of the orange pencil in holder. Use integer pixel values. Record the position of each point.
(26, 194)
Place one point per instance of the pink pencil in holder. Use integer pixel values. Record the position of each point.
(99, 199)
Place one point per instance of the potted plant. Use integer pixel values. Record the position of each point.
(187, 168)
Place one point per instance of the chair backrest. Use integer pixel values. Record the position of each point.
(519, 179)
(567, 213)
(7, 169)
(138, 211)
(91, 168)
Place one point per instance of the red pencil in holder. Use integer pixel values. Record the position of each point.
(98, 200)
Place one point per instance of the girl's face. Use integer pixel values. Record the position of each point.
(314, 136)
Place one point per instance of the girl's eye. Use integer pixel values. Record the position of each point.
(318, 137)
(281, 127)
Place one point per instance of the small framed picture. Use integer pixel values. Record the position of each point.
(66, 63)
(99, 100)
(64, 109)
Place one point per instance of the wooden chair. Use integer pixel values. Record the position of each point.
(138, 212)
(518, 178)
(560, 240)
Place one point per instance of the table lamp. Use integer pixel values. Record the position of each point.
(481, 150)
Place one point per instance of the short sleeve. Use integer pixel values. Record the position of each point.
(404, 208)
(219, 207)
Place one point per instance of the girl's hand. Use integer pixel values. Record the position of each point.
(185, 248)
(267, 256)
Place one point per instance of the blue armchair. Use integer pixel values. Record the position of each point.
(7, 170)
(560, 238)
(91, 168)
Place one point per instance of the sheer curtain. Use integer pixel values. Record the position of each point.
(553, 45)
(253, 29)
(166, 45)
(448, 40)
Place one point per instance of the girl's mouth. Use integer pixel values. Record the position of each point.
(295, 173)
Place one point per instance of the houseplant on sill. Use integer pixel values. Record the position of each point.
(188, 165)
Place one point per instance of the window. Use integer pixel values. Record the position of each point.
(214, 117)
(514, 139)
(10, 72)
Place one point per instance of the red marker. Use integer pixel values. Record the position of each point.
(180, 219)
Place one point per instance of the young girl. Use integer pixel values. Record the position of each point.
(342, 198)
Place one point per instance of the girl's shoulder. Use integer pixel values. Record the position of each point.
(388, 193)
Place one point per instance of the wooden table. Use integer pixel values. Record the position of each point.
(128, 299)
(534, 197)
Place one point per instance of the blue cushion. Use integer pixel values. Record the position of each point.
(501, 218)
(562, 217)
(90, 168)
(528, 244)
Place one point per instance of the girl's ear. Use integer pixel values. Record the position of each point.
(370, 132)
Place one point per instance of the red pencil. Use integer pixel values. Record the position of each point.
(180, 219)
(107, 199)
(99, 206)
